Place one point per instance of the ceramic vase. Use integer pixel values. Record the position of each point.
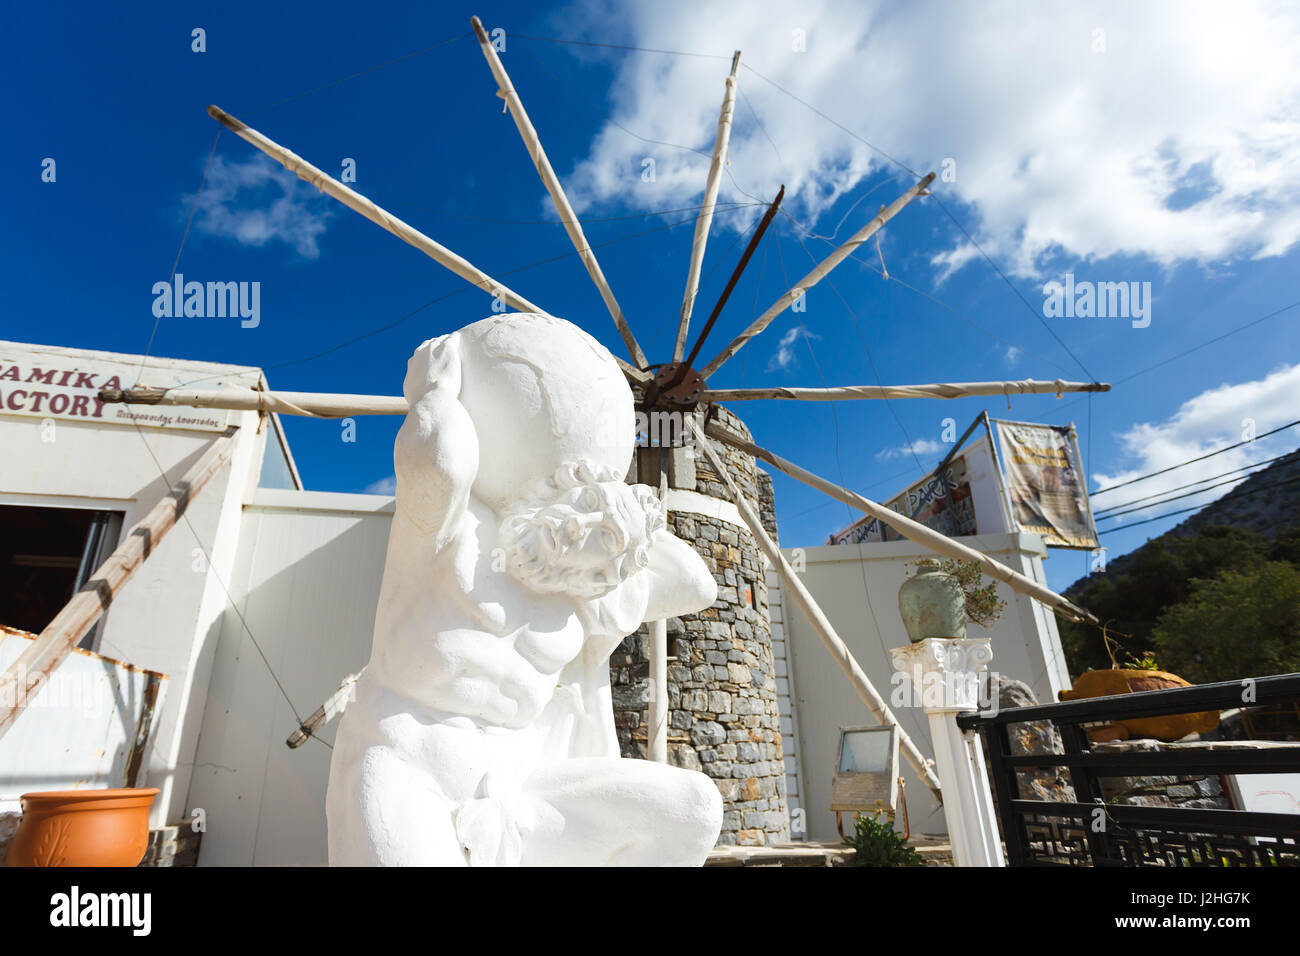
(83, 828)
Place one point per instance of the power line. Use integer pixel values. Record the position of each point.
(353, 76)
(1170, 514)
(899, 163)
(911, 446)
(1258, 464)
(1036, 313)
(891, 277)
(401, 200)
(1217, 338)
(1194, 348)
(1165, 501)
(1191, 460)
(618, 46)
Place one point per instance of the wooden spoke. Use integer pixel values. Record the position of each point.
(913, 530)
(568, 217)
(705, 218)
(309, 404)
(818, 273)
(736, 273)
(818, 619)
(31, 671)
(941, 390)
(376, 214)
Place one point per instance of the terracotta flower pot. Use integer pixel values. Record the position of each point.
(83, 828)
(1104, 683)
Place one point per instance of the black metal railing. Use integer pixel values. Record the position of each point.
(1095, 832)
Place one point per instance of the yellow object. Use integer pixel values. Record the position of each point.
(1106, 683)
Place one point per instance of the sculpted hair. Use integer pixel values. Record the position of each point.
(540, 537)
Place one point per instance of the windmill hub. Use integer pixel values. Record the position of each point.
(676, 385)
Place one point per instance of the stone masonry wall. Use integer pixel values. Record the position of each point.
(722, 717)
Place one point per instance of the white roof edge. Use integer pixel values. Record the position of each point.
(279, 499)
(129, 357)
(999, 542)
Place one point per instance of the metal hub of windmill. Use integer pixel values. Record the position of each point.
(678, 385)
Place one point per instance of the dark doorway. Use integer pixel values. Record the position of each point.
(46, 554)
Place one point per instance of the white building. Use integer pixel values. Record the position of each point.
(76, 474)
(857, 585)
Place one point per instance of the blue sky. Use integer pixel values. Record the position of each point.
(1163, 149)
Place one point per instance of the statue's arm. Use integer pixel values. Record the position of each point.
(436, 453)
(680, 581)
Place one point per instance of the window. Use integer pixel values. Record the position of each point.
(46, 555)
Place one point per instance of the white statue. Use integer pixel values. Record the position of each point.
(482, 731)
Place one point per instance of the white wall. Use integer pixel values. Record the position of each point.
(857, 587)
(786, 702)
(164, 619)
(307, 584)
(94, 707)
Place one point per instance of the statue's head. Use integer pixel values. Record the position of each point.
(583, 532)
(541, 393)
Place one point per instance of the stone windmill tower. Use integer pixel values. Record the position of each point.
(722, 714)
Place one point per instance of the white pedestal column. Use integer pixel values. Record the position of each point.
(945, 681)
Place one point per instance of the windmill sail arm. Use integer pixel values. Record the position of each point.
(937, 390)
(818, 273)
(913, 530)
(568, 218)
(705, 218)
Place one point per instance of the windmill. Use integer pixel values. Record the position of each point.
(674, 385)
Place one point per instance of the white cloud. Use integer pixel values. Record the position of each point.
(384, 486)
(1012, 355)
(950, 261)
(1211, 420)
(784, 356)
(921, 446)
(255, 202)
(1179, 142)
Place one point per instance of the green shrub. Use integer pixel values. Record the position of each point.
(877, 844)
(1237, 624)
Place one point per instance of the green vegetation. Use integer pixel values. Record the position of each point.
(1221, 604)
(983, 606)
(878, 844)
(1238, 624)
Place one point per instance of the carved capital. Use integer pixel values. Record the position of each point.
(945, 672)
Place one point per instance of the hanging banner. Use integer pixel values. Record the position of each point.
(963, 500)
(1046, 484)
